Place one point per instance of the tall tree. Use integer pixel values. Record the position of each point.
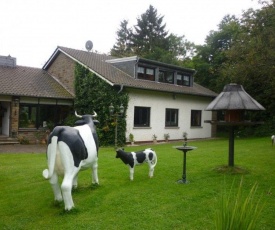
(122, 48)
(212, 55)
(149, 33)
(251, 59)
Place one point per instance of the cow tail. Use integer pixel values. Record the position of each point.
(51, 154)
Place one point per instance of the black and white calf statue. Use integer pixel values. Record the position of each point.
(69, 150)
(135, 158)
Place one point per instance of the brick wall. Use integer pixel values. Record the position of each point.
(32, 136)
(63, 69)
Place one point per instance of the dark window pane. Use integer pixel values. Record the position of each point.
(146, 73)
(142, 117)
(166, 77)
(195, 117)
(171, 118)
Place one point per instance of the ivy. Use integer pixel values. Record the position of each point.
(94, 94)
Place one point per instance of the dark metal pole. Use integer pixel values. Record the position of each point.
(231, 147)
(116, 132)
(184, 167)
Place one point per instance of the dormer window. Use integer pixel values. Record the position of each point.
(166, 76)
(146, 73)
(183, 79)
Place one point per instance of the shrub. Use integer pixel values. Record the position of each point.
(236, 212)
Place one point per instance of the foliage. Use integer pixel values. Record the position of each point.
(94, 94)
(166, 136)
(242, 51)
(211, 56)
(131, 137)
(123, 44)
(235, 211)
(149, 39)
(23, 140)
(70, 120)
(27, 199)
(149, 33)
(251, 58)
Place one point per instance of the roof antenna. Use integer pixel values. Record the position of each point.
(89, 45)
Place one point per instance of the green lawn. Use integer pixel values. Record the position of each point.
(26, 199)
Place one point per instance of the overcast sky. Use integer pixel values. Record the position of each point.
(30, 30)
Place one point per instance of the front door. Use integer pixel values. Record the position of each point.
(5, 118)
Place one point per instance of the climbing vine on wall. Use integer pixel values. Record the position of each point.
(94, 94)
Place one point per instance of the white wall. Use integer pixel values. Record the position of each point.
(158, 102)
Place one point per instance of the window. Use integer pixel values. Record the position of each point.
(183, 79)
(166, 77)
(146, 73)
(196, 118)
(33, 115)
(142, 116)
(27, 116)
(171, 117)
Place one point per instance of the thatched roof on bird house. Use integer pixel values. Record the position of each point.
(234, 97)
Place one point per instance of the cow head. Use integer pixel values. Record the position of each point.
(86, 119)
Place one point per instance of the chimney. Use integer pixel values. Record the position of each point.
(8, 61)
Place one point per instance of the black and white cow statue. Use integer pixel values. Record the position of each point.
(135, 158)
(69, 150)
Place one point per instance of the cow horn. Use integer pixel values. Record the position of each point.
(77, 114)
(95, 114)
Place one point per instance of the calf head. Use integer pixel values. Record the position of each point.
(120, 153)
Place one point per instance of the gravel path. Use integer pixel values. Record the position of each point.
(17, 148)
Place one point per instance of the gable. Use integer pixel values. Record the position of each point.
(102, 66)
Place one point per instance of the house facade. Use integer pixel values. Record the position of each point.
(30, 99)
(163, 98)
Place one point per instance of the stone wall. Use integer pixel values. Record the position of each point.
(62, 69)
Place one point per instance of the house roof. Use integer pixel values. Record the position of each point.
(32, 82)
(99, 64)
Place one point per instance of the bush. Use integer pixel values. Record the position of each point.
(235, 212)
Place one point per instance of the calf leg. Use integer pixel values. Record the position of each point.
(56, 188)
(151, 170)
(131, 173)
(94, 173)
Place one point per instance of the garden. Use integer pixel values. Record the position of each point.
(214, 191)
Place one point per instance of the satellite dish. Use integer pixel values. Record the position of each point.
(89, 45)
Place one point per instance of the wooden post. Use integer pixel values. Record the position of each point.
(231, 147)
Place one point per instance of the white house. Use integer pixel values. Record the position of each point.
(163, 98)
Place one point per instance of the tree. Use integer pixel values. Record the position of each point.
(149, 33)
(252, 56)
(149, 39)
(210, 57)
(122, 48)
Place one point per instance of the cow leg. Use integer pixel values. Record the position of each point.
(66, 188)
(94, 173)
(75, 181)
(56, 188)
(131, 173)
(151, 170)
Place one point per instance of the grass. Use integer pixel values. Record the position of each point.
(26, 199)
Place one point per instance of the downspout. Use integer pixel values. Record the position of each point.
(121, 88)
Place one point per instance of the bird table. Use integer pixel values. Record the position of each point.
(184, 149)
